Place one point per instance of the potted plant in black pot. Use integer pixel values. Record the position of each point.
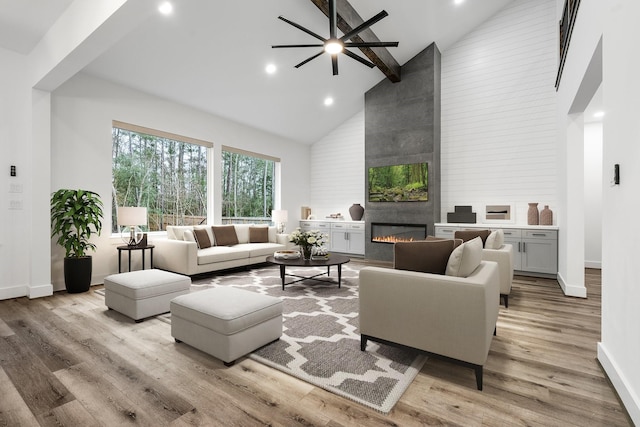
(75, 216)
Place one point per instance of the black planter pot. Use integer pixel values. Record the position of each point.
(77, 274)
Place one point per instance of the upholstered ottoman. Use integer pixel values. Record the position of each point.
(143, 293)
(226, 323)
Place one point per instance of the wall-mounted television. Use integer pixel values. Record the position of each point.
(399, 183)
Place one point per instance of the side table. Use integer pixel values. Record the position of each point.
(134, 248)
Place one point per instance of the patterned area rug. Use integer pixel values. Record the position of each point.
(320, 342)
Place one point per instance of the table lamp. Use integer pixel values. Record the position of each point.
(132, 217)
(280, 218)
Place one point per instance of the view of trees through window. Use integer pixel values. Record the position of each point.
(168, 177)
(247, 187)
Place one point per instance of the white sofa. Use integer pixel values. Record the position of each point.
(179, 252)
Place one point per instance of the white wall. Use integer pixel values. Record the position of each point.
(81, 119)
(593, 195)
(618, 352)
(498, 102)
(15, 150)
(337, 170)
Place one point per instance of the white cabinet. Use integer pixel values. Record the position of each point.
(344, 236)
(535, 248)
(347, 238)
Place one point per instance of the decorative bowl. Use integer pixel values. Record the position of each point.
(286, 254)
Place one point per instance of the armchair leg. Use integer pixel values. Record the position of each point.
(478, 370)
(506, 300)
(363, 342)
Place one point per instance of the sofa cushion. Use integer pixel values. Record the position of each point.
(242, 232)
(465, 258)
(495, 240)
(467, 235)
(221, 254)
(225, 235)
(258, 234)
(176, 232)
(202, 238)
(426, 256)
(259, 249)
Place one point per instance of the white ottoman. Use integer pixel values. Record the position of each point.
(226, 323)
(143, 293)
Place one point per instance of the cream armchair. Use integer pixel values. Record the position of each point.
(494, 250)
(504, 258)
(453, 317)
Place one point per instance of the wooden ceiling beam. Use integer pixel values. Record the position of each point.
(348, 19)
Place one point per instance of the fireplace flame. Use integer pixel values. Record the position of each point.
(391, 239)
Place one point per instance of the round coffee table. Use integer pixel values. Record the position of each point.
(333, 259)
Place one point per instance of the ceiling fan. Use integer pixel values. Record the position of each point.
(334, 45)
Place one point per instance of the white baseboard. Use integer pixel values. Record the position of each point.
(13, 292)
(629, 399)
(571, 290)
(39, 291)
(593, 264)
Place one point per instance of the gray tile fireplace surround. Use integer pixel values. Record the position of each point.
(402, 125)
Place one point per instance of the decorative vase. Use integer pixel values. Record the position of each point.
(533, 216)
(306, 251)
(356, 211)
(546, 216)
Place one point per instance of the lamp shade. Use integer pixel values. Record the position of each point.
(279, 216)
(129, 215)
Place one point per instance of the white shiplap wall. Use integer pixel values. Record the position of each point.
(337, 169)
(499, 124)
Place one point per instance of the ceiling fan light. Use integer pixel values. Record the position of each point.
(333, 47)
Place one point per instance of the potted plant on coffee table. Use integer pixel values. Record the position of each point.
(75, 216)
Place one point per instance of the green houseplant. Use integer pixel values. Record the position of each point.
(75, 216)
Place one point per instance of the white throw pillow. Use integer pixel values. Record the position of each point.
(465, 258)
(188, 236)
(495, 240)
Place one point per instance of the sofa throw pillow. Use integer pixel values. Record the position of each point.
(202, 238)
(258, 234)
(467, 235)
(188, 236)
(465, 258)
(495, 240)
(426, 256)
(225, 235)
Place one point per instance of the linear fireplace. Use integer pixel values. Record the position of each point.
(385, 232)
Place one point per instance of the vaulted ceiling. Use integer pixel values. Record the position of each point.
(211, 55)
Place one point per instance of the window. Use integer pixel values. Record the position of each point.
(166, 173)
(248, 192)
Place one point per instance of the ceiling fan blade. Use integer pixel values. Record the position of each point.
(371, 44)
(357, 58)
(333, 20)
(309, 59)
(334, 64)
(301, 28)
(364, 25)
(278, 46)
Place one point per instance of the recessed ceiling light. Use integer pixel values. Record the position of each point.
(270, 68)
(165, 8)
(598, 114)
(328, 101)
(458, 2)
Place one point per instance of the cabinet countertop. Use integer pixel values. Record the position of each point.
(332, 220)
(498, 225)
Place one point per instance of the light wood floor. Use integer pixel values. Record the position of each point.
(66, 360)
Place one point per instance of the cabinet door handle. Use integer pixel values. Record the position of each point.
(519, 243)
(524, 247)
